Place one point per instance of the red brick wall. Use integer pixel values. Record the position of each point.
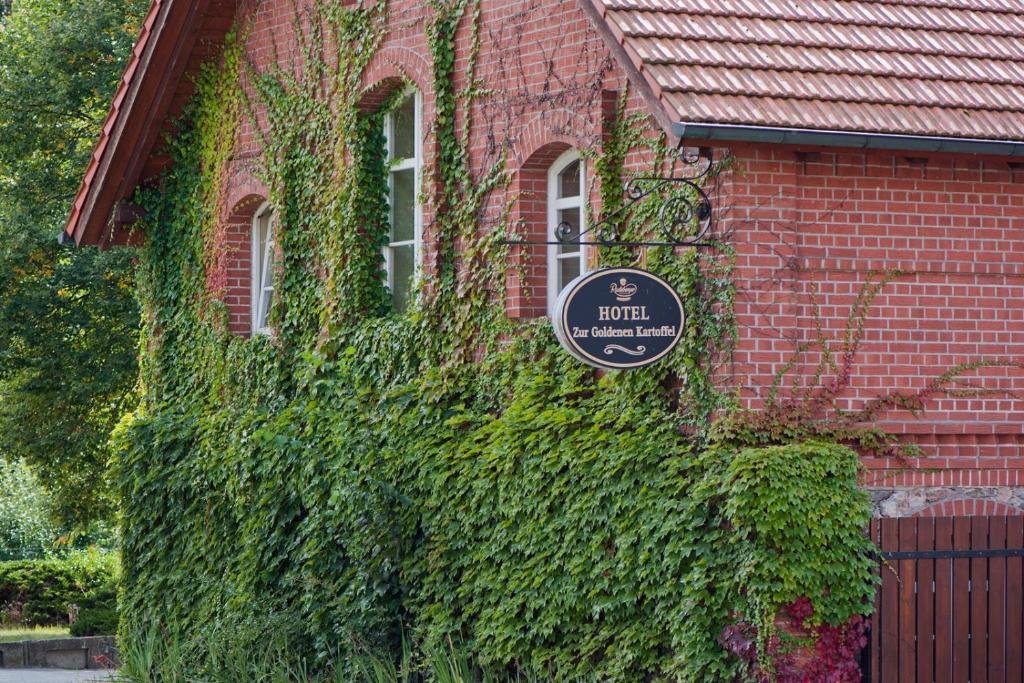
(954, 225)
(528, 273)
(238, 233)
(551, 93)
(811, 225)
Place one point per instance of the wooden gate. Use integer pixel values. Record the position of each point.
(951, 603)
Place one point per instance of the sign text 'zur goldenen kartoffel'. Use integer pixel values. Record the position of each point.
(618, 318)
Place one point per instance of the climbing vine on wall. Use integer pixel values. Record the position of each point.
(442, 473)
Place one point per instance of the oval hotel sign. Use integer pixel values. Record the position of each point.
(618, 318)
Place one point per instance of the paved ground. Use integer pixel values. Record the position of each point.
(52, 676)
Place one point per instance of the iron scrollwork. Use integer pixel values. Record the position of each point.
(684, 219)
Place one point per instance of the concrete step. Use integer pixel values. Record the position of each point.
(54, 676)
(62, 653)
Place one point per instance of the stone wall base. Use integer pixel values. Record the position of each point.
(947, 501)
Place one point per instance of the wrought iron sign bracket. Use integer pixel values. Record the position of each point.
(687, 213)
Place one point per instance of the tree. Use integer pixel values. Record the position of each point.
(26, 527)
(68, 319)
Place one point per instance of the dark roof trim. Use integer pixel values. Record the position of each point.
(828, 138)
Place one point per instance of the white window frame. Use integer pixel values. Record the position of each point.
(555, 205)
(259, 264)
(416, 163)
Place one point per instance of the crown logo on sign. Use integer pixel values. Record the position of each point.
(623, 290)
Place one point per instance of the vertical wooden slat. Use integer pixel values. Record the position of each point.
(979, 600)
(961, 602)
(876, 616)
(925, 602)
(907, 604)
(944, 603)
(1015, 602)
(889, 637)
(997, 603)
(967, 614)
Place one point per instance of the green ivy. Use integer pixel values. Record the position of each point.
(439, 474)
(767, 527)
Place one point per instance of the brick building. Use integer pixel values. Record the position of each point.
(864, 137)
(867, 137)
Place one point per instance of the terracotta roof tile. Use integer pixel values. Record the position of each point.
(917, 67)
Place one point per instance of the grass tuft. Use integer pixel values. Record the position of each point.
(13, 634)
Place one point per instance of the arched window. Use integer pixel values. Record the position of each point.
(263, 253)
(405, 158)
(566, 204)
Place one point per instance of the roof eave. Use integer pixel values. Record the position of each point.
(630, 62)
(850, 139)
(135, 120)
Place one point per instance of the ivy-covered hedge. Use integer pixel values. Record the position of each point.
(444, 475)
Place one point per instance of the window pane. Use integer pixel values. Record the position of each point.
(569, 181)
(402, 270)
(568, 270)
(572, 217)
(267, 270)
(263, 235)
(263, 269)
(263, 229)
(266, 298)
(403, 205)
(403, 129)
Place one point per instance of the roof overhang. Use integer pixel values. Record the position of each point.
(710, 132)
(778, 72)
(132, 127)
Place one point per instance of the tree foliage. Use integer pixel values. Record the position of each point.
(67, 317)
(26, 527)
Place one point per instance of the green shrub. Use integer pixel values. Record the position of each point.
(38, 592)
(241, 647)
(97, 615)
(27, 527)
(95, 621)
(574, 530)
